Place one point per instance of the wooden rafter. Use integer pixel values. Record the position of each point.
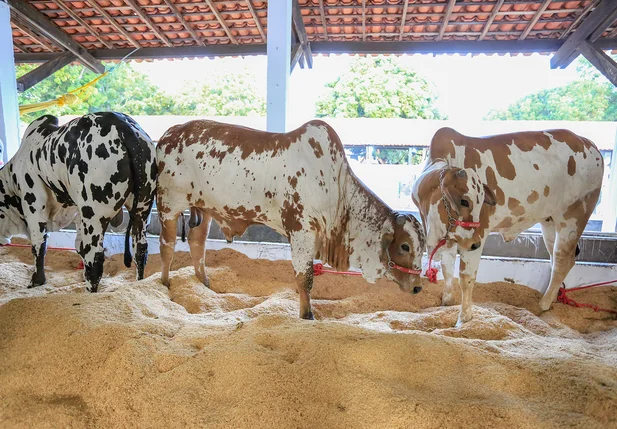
(296, 54)
(221, 21)
(99, 9)
(298, 23)
(184, 22)
(534, 20)
(322, 12)
(249, 4)
(403, 19)
(81, 22)
(583, 13)
(35, 19)
(605, 64)
(594, 22)
(446, 18)
(363, 20)
(491, 18)
(44, 70)
(148, 21)
(31, 34)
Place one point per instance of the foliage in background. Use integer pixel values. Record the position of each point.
(125, 90)
(130, 91)
(379, 87)
(228, 95)
(590, 98)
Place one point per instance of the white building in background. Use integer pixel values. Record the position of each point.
(367, 140)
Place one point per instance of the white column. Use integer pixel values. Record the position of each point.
(610, 215)
(279, 57)
(9, 108)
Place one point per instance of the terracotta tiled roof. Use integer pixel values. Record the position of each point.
(99, 24)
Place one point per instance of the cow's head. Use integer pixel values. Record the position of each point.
(454, 206)
(401, 252)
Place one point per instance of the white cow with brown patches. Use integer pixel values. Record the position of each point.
(298, 183)
(506, 183)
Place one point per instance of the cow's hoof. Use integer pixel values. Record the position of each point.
(36, 281)
(92, 289)
(463, 318)
(206, 282)
(447, 300)
(545, 305)
(308, 316)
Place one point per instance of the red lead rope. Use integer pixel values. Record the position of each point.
(318, 269)
(563, 297)
(431, 272)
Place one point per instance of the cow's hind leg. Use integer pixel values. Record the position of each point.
(93, 229)
(569, 229)
(168, 245)
(548, 233)
(470, 261)
(197, 244)
(140, 241)
(302, 254)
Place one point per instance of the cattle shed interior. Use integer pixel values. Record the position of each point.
(55, 33)
(234, 353)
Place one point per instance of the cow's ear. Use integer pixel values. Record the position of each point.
(489, 196)
(386, 240)
(453, 198)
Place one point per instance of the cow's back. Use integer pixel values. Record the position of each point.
(547, 169)
(241, 172)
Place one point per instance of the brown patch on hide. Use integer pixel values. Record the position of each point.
(171, 140)
(441, 144)
(547, 190)
(571, 166)
(316, 148)
(536, 166)
(505, 223)
(515, 207)
(533, 197)
(491, 180)
(333, 246)
(291, 215)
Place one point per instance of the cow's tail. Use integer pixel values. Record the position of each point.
(133, 145)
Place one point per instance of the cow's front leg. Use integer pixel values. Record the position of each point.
(302, 253)
(38, 238)
(448, 261)
(470, 260)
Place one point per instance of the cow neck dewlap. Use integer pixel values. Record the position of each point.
(369, 221)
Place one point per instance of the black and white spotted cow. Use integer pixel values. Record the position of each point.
(82, 172)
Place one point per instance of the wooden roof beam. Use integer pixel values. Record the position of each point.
(403, 19)
(298, 24)
(322, 12)
(31, 34)
(33, 17)
(44, 71)
(113, 22)
(81, 22)
(583, 13)
(249, 4)
(148, 22)
(363, 20)
(446, 18)
(596, 22)
(605, 64)
(534, 20)
(184, 22)
(221, 21)
(491, 18)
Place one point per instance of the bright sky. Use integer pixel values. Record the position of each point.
(468, 86)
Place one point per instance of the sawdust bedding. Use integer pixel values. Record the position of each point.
(237, 356)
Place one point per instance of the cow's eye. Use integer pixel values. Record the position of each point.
(405, 247)
(464, 203)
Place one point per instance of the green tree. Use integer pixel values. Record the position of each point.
(589, 98)
(125, 90)
(235, 94)
(379, 87)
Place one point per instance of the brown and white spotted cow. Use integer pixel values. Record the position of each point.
(298, 183)
(507, 183)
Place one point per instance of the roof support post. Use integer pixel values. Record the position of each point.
(9, 107)
(279, 53)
